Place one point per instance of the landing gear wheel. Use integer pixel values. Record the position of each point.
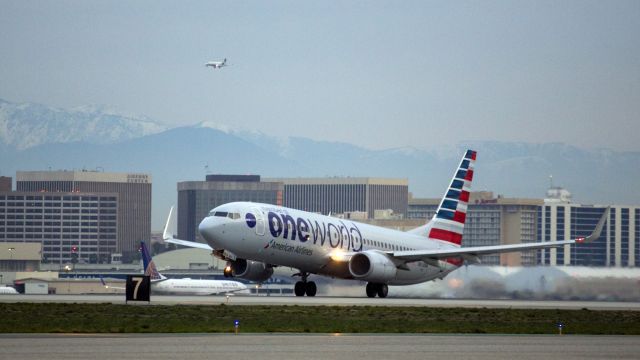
(383, 290)
(371, 290)
(311, 288)
(299, 288)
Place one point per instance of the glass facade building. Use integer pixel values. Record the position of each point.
(617, 245)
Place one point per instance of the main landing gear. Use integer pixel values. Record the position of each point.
(374, 289)
(305, 287)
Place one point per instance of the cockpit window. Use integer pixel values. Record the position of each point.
(233, 216)
(220, 213)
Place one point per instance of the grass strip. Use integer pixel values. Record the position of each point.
(111, 318)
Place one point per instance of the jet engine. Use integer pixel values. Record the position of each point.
(372, 266)
(251, 270)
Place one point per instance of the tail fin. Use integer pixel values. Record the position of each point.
(149, 265)
(448, 222)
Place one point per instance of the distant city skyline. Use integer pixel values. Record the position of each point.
(375, 74)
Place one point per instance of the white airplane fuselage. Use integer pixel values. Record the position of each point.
(196, 287)
(307, 241)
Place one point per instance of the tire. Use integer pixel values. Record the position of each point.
(383, 290)
(299, 289)
(371, 290)
(311, 288)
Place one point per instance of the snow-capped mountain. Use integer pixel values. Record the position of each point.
(25, 125)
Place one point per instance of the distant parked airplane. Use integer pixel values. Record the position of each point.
(162, 285)
(217, 64)
(7, 290)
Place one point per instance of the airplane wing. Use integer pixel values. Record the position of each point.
(192, 244)
(473, 252)
(110, 287)
(167, 235)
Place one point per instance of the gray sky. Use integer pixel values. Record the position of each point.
(376, 74)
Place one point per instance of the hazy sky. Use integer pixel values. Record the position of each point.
(376, 74)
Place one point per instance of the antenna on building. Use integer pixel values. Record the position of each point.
(206, 169)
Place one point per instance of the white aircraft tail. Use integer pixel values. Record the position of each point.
(448, 222)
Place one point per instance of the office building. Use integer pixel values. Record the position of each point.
(197, 198)
(132, 193)
(559, 219)
(492, 221)
(60, 222)
(5, 183)
(344, 194)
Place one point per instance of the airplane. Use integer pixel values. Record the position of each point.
(160, 284)
(8, 290)
(254, 238)
(217, 64)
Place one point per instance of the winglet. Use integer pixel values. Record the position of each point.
(596, 232)
(169, 226)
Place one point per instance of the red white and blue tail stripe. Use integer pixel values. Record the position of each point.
(448, 222)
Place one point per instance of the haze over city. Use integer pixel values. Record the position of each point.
(374, 74)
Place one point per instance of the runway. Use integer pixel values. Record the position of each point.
(311, 347)
(330, 301)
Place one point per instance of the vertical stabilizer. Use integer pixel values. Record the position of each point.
(448, 222)
(149, 265)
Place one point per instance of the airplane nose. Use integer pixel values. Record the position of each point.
(209, 229)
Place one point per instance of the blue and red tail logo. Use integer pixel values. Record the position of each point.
(448, 224)
(149, 265)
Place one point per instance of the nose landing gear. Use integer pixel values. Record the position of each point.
(305, 287)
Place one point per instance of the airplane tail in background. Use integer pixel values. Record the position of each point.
(448, 222)
(149, 266)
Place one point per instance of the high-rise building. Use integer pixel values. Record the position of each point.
(618, 245)
(5, 183)
(197, 198)
(492, 221)
(345, 194)
(133, 198)
(68, 226)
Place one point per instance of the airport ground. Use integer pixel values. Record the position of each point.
(331, 301)
(311, 347)
(105, 317)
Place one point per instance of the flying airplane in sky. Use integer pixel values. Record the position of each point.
(217, 64)
(162, 285)
(254, 237)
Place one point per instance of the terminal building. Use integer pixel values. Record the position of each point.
(345, 194)
(197, 198)
(101, 212)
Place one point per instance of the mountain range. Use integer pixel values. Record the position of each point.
(38, 137)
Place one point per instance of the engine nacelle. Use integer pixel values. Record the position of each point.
(372, 266)
(251, 270)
